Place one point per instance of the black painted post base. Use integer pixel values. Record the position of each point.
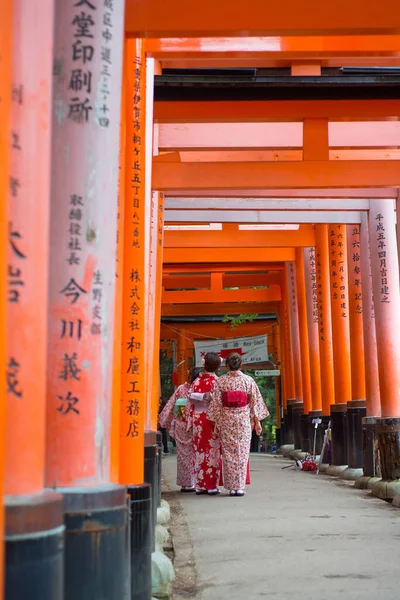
(159, 466)
(151, 476)
(34, 547)
(370, 452)
(388, 443)
(305, 436)
(96, 519)
(278, 436)
(339, 439)
(356, 411)
(141, 533)
(287, 428)
(297, 411)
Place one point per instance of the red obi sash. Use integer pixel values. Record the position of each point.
(235, 399)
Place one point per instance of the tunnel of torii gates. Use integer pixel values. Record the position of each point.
(117, 210)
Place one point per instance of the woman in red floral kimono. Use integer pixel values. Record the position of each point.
(173, 418)
(237, 406)
(205, 440)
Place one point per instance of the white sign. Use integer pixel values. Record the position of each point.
(267, 373)
(252, 349)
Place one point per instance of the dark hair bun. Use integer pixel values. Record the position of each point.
(212, 362)
(234, 361)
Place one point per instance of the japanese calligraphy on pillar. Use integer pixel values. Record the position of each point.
(380, 232)
(133, 320)
(354, 261)
(313, 276)
(320, 294)
(292, 288)
(338, 268)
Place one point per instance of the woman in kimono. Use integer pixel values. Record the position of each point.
(236, 408)
(173, 418)
(205, 440)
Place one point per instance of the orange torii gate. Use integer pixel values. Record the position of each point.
(317, 150)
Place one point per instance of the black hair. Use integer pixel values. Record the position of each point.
(195, 373)
(212, 362)
(234, 361)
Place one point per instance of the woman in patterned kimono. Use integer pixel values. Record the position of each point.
(205, 440)
(173, 418)
(236, 408)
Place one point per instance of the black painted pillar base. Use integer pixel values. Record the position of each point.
(96, 520)
(141, 534)
(370, 454)
(278, 437)
(289, 422)
(339, 439)
(159, 466)
(356, 411)
(388, 447)
(283, 428)
(297, 411)
(34, 547)
(151, 475)
(319, 432)
(305, 436)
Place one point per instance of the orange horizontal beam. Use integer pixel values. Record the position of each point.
(236, 176)
(272, 294)
(218, 308)
(205, 268)
(233, 255)
(275, 110)
(217, 330)
(347, 193)
(228, 280)
(276, 61)
(283, 47)
(233, 238)
(178, 18)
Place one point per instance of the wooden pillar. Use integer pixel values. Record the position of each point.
(312, 323)
(134, 267)
(294, 328)
(182, 367)
(30, 511)
(289, 368)
(278, 381)
(370, 348)
(303, 327)
(385, 281)
(86, 130)
(355, 311)
(324, 318)
(5, 135)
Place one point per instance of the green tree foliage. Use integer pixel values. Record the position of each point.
(239, 319)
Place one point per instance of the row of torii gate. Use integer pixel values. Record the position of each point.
(98, 187)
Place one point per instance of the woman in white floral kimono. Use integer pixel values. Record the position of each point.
(173, 418)
(237, 406)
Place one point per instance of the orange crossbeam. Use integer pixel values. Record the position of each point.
(249, 267)
(218, 308)
(311, 174)
(178, 18)
(276, 155)
(229, 280)
(272, 294)
(226, 255)
(275, 110)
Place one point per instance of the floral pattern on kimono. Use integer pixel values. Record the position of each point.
(178, 429)
(235, 425)
(205, 442)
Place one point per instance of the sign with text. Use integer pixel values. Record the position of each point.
(252, 349)
(267, 373)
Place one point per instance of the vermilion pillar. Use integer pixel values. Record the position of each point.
(31, 513)
(278, 382)
(324, 318)
(5, 133)
(312, 324)
(341, 345)
(385, 281)
(86, 129)
(182, 366)
(303, 327)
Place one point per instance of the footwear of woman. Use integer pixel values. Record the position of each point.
(201, 492)
(187, 490)
(239, 493)
(232, 493)
(213, 492)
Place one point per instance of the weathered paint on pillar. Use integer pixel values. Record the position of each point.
(324, 318)
(278, 381)
(117, 356)
(294, 328)
(87, 84)
(289, 368)
(5, 135)
(133, 405)
(310, 274)
(355, 311)
(304, 342)
(340, 312)
(28, 247)
(385, 281)
(370, 349)
(182, 366)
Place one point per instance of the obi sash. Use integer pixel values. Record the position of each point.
(201, 401)
(179, 407)
(235, 399)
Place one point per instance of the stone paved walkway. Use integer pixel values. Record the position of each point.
(294, 536)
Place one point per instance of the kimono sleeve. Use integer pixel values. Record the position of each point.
(167, 414)
(215, 409)
(258, 409)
